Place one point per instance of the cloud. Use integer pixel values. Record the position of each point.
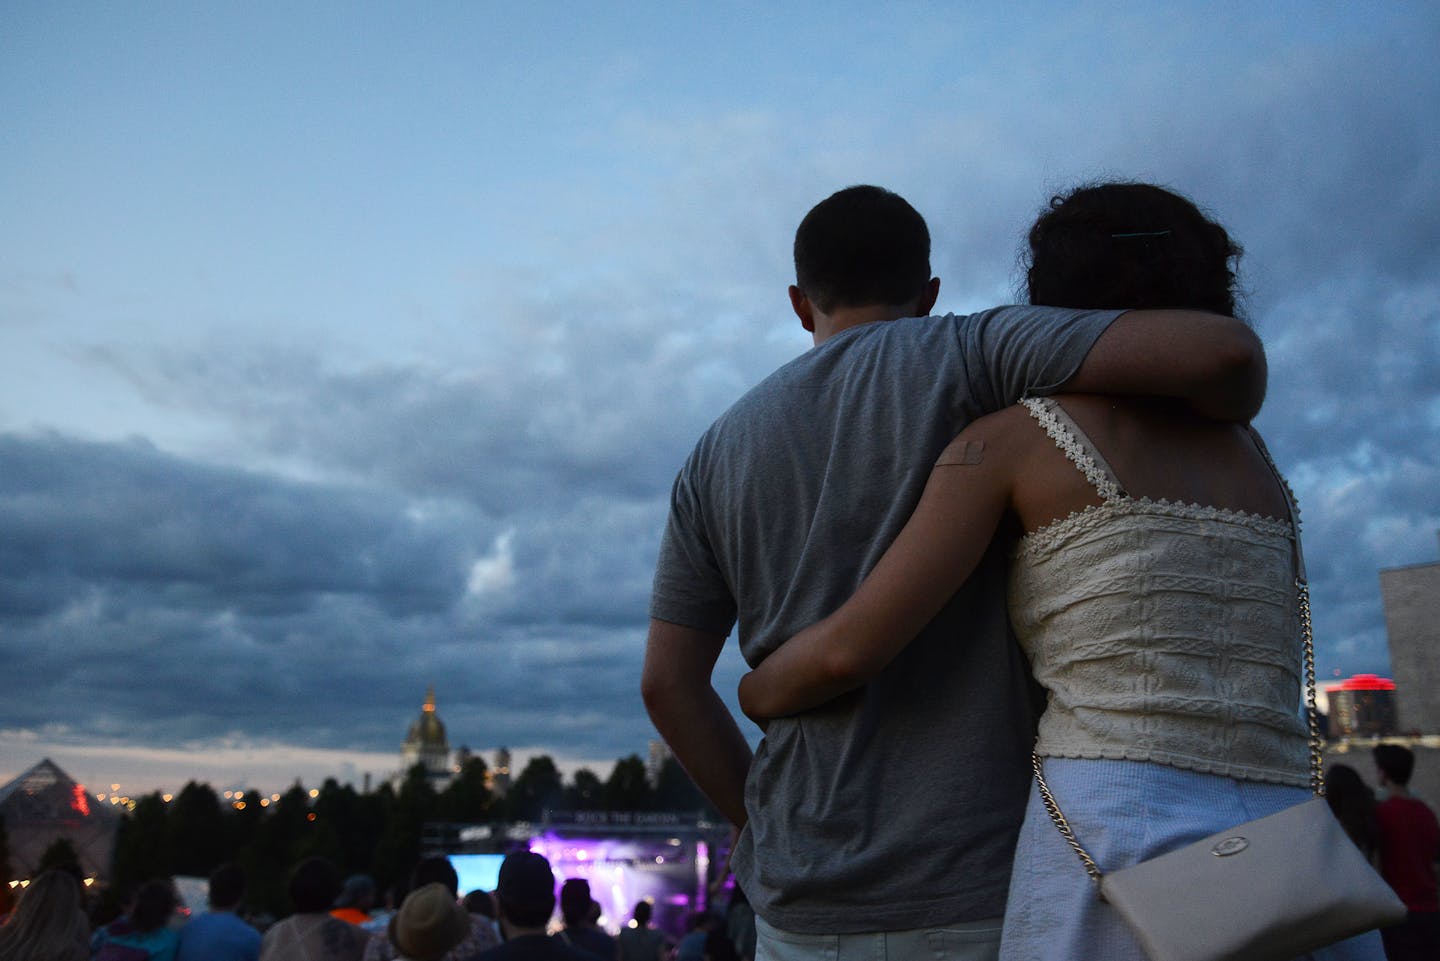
(494, 573)
(299, 505)
(160, 600)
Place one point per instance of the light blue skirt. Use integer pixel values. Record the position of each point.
(1123, 812)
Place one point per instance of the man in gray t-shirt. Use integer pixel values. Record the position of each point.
(893, 809)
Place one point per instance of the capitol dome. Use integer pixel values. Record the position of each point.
(426, 743)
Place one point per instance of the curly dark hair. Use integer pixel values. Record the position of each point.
(1120, 244)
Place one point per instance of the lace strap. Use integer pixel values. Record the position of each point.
(1077, 447)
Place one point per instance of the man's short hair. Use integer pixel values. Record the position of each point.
(526, 889)
(575, 901)
(435, 869)
(1397, 762)
(862, 246)
(313, 885)
(227, 886)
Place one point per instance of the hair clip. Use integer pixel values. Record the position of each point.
(1144, 233)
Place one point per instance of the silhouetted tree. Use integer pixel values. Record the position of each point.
(399, 846)
(467, 799)
(627, 789)
(586, 792)
(195, 830)
(341, 809)
(268, 857)
(674, 791)
(292, 816)
(373, 811)
(142, 850)
(538, 787)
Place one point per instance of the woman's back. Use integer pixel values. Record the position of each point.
(1157, 450)
(1161, 619)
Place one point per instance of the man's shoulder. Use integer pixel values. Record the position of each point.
(219, 921)
(533, 948)
(218, 935)
(868, 345)
(1405, 809)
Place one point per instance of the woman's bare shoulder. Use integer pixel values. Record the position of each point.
(1007, 433)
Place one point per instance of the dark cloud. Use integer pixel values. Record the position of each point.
(170, 602)
(130, 520)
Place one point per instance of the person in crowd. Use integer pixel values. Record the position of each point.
(219, 934)
(786, 502)
(311, 933)
(639, 941)
(525, 891)
(580, 931)
(145, 926)
(740, 924)
(718, 946)
(739, 915)
(1353, 803)
(48, 924)
(697, 934)
(1409, 848)
(437, 869)
(356, 900)
(429, 924)
(482, 904)
(1152, 584)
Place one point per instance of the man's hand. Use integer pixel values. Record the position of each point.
(688, 713)
(1215, 364)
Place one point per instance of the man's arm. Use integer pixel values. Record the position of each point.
(1216, 364)
(688, 713)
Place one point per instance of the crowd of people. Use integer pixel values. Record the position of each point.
(335, 920)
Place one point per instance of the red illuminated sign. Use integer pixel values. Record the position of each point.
(1363, 682)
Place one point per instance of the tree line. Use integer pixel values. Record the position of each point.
(376, 833)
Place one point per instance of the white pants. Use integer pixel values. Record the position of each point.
(969, 941)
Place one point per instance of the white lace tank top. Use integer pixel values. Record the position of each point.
(1162, 631)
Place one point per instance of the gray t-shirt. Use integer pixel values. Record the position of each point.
(895, 806)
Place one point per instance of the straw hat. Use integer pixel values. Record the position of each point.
(429, 923)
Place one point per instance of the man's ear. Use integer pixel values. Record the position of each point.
(803, 308)
(927, 300)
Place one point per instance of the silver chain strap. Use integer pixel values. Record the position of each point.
(1317, 758)
(1061, 824)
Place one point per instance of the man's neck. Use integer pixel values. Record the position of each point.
(513, 931)
(845, 318)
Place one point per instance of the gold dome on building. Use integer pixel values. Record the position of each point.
(426, 743)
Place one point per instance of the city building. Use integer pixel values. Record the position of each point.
(659, 754)
(498, 776)
(427, 746)
(45, 804)
(1411, 598)
(1363, 706)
